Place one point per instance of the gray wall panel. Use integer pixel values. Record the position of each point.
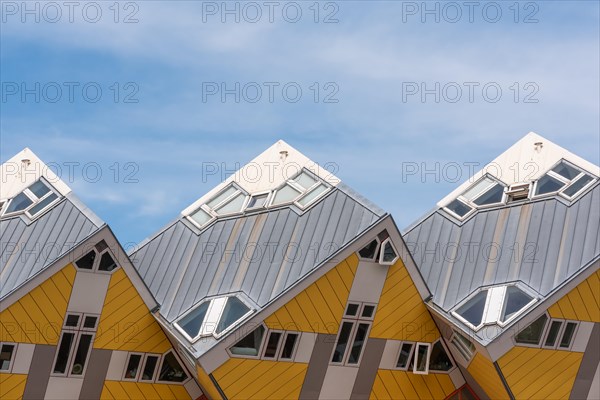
(39, 372)
(317, 367)
(93, 382)
(368, 369)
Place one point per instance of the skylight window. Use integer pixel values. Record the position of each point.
(496, 305)
(213, 317)
(565, 179)
(301, 190)
(228, 201)
(485, 192)
(32, 201)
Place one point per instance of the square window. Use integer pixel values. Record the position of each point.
(289, 346)
(6, 355)
(90, 322)
(72, 320)
(368, 311)
(352, 309)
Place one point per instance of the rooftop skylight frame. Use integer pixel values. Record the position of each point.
(35, 200)
(567, 182)
(471, 202)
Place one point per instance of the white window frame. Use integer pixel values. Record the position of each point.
(77, 331)
(139, 370)
(143, 366)
(562, 332)
(542, 336)
(181, 364)
(583, 188)
(294, 350)
(448, 353)
(410, 356)
(374, 258)
(11, 362)
(455, 215)
(470, 203)
(564, 180)
(355, 320)
(260, 346)
(302, 191)
(381, 252)
(416, 358)
(269, 194)
(35, 200)
(546, 332)
(277, 347)
(462, 349)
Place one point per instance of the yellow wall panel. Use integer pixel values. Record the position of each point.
(135, 390)
(12, 386)
(320, 307)
(487, 377)
(126, 323)
(257, 379)
(582, 303)
(38, 316)
(401, 313)
(540, 373)
(391, 384)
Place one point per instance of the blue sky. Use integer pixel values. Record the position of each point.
(369, 60)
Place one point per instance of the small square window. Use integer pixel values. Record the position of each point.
(72, 321)
(368, 311)
(352, 309)
(459, 208)
(90, 322)
(257, 201)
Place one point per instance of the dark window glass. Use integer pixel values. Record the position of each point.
(548, 184)
(149, 367)
(568, 334)
(272, 344)
(19, 203)
(421, 355)
(342, 342)
(6, 354)
(566, 170)
(352, 309)
(60, 367)
(192, 323)
(492, 196)
(233, 311)
(90, 322)
(87, 261)
(388, 252)
(472, 310)
(553, 333)
(289, 345)
(107, 263)
(81, 354)
(439, 360)
(368, 311)
(250, 344)
(72, 320)
(533, 333)
(459, 208)
(132, 366)
(369, 250)
(359, 342)
(171, 370)
(42, 204)
(514, 301)
(404, 355)
(101, 246)
(577, 185)
(39, 189)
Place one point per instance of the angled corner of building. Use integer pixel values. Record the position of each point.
(71, 304)
(512, 260)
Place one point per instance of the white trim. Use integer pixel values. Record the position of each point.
(294, 349)
(143, 367)
(181, 364)
(139, 366)
(382, 252)
(374, 258)
(546, 332)
(562, 333)
(409, 358)
(261, 345)
(448, 354)
(416, 358)
(277, 346)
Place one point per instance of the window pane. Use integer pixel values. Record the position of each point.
(72, 320)
(107, 263)
(171, 370)
(132, 366)
(477, 188)
(5, 356)
(421, 356)
(250, 344)
(439, 360)
(39, 189)
(389, 254)
(149, 368)
(305, 180)
(459, 208)
(232, 206)
(285, 195)
(201, 217)
(552, 333)
(42, 204)
(19, 203)
(404, 355)
(342, 342)
(548, 184)
(81, 354)
(369, 250)
(568, 334)
(90, 322)
(352, 309)
(578, 185)
(257, 201)
(289, 345)
(192, 323)
(222, 196)
(472, 310)
(359, 342)
(63, 353)
(533, 333)
(101, 246)
(566, 170)
(234, 310)
(492, 196)
(87, 261)
(272, 344)
(368, 311)
(514, 301)
(313, 194)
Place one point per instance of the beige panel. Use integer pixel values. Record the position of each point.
(116, 366)
(457, 377)
(595, 389)
(88, 293)
(305, 347)
(582, 337)
(193, 389)
(390, 354)
(332, 388)
(23, 358)
(63, 388)
(368, 282)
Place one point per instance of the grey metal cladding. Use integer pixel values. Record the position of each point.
(261, 254)
(541, 243)
(28, 249)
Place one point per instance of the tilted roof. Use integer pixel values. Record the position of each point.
(538, 243)
(31, 244)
